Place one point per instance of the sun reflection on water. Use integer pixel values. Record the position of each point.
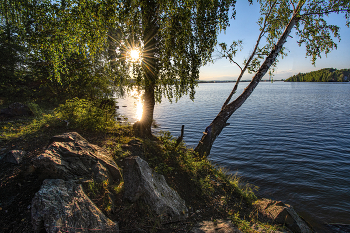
(139, 110)
(138, 104)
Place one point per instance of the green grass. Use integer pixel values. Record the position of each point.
(74, 114)
(166, 159)
(206, 182)
(99, 193)
(22, 127)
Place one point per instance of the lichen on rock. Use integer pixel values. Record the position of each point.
(62, 206)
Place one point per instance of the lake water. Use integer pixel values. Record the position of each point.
(290, 139)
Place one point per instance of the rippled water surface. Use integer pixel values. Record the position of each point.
(290, 139)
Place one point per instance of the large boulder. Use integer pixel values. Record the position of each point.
(70, 156)
(16, 109)
(280, 213)
(14, 156)
(140, 181)
(62, 206)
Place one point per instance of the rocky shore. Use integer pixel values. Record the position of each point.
(55, 180)
(69, 166)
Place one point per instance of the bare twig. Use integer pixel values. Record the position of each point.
(179, 139)
(230, 58)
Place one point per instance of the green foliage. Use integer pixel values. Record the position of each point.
(57, 49)
(74, 49)
(254, 225)
(77, 113)
(119, 188)
(36, 109)
(92, 188)
(176, 38)
(84, 114)
(12, 63)
(312, 30)
(323, 75)
(243, 225)
(85, 79)
(99, 193)
(19, 128)
(205, 177)
(57, 29)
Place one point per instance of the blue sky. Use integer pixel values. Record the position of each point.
(245, 28)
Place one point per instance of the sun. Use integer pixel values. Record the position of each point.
(135, 55)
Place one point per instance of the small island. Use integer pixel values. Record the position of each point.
(323, 75)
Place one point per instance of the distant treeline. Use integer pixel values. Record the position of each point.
(323, 75)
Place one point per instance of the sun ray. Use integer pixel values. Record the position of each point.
(148, 66)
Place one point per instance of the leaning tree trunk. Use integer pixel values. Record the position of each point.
(220, 122)
(142, 128)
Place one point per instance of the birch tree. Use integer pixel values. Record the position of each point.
(176, 38)
(278, 18)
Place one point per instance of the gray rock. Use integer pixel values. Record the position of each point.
(280, 213)
(218, 226)
(62, 206)
(140, 181)
(14, 156)
(16, 109)
(68, 137)
(70, 156)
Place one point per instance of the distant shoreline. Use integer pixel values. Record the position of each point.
(269, 81)
(322, 75)
(228, 81)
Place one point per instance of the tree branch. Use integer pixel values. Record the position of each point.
(292, 5)
(226, 56)
(268, 61)
(214, 129)
(325, 12)
(250, 58)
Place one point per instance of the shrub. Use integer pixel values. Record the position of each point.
(35, 109)
(85, 114)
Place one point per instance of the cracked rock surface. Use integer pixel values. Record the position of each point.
(62, 206)
(70, 156)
